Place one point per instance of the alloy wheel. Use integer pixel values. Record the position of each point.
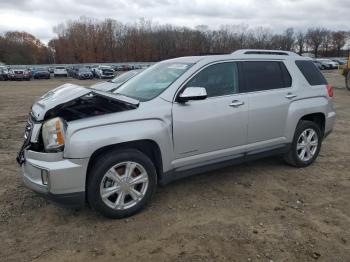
(307, 144)
(124, 185)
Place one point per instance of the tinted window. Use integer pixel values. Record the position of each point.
(265, 75)
(311, 73)
(218, 80)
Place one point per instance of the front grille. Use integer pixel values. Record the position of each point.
(28, 131)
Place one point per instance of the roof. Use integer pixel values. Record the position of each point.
(242, 54)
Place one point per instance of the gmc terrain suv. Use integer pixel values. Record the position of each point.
(176, 118)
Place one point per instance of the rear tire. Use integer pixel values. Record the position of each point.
(110, 172)
(306, 144)
(347, 81)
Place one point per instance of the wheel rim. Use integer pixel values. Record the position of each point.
(307, 144)
(124, 185)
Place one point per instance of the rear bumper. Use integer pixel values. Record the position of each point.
(330, 120)
(55, 178)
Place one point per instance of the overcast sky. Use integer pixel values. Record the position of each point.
(39, 16)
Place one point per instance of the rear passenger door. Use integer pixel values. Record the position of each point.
(269, 88)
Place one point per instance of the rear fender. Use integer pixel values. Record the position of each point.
(303, 107)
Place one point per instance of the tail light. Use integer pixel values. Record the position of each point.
(330, 90)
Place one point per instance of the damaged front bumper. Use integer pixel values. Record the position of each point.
(54, 177)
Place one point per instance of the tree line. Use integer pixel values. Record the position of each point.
(86, 40)
(23, 48)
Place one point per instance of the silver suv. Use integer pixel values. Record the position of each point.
(177, 118)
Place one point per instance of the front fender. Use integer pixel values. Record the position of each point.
(82, 143)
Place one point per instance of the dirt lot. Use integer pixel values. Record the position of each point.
(261, 211)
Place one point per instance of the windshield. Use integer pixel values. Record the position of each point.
(153, 81)
(124, 77)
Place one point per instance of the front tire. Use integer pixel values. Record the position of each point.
(306, 144)
(121, 182)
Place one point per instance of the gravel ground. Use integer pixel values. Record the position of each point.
(260, 211)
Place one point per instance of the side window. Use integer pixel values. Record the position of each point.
(311, 72)
(265, 75)
(218, 80)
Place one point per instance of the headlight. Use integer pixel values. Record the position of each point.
(53, 133)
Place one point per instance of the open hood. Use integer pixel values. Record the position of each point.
(74, 102)
(105, 86)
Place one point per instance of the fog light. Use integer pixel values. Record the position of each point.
(44, 177)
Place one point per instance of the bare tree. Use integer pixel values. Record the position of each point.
(288, 39)
(339, 40)
(300, 42)
(315, 37)
(326, 42)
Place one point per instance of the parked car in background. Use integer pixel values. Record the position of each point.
(327, 63)
(117, 68)
(41, 73)
(113, 84)
(70, 71)
(104, 72)
(177, 118)
(84, 73)
(4, 73)
(75, 70)
(92, 68)
(60, 71)
(319, 65)
(19, 74)
(339, 61)
(51, 70)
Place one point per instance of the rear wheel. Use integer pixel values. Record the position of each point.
(347, 80)
(121, 183)
(306, 144)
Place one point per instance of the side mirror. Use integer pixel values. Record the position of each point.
(193, 93)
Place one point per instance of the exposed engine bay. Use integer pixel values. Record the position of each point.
(91, 104)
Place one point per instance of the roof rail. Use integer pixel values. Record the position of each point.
(263, 52)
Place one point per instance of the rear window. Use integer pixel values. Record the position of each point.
(60, 67)
(311, 73)
(265, 75)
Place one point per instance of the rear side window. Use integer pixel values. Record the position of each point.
(311, 72)
(265, 75)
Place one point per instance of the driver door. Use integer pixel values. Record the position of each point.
(213, 129)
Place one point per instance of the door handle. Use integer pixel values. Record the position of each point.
(236, 103)
(290, 96)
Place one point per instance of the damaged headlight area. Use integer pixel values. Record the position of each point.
(53, 134)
